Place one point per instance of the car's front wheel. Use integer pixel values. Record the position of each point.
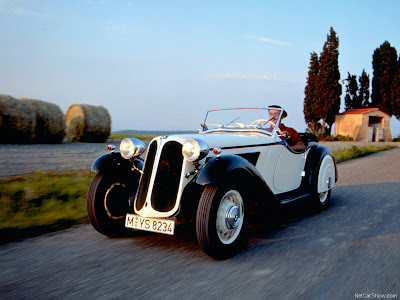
(107, 203)
(221, 223)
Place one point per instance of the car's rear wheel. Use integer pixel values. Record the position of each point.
(321, 200)
(107, 203)
(324, 181)
(221, 223)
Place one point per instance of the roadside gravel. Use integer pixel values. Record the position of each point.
(25, 159)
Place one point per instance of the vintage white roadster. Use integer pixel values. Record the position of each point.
(239, 160)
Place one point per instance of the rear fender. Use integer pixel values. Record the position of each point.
(323, 169)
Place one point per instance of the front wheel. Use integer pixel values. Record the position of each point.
(107, 203)
(221, 224)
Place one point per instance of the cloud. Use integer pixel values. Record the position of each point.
(243, 76)
(267, 40)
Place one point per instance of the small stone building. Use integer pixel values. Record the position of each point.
(364, 125)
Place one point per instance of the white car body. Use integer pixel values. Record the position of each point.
(215, 173)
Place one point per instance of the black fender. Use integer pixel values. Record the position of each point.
(125, 170)
(224, 166)
(227, 167)
(115, 162)
(218, 167)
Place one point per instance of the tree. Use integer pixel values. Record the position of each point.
(384, 63)
(357, 94)
(396, 92)
(310, 109)
(363, 92)
(351, 100)
(329, 87)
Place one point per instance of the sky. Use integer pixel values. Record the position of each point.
(161, 65)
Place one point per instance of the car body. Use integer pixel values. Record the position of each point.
(238, 160)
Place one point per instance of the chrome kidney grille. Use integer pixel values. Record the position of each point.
(145, 180)
(167, 178)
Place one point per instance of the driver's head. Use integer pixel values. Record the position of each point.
(274, 111)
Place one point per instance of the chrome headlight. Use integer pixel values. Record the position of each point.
(194, 150)
(131, 148)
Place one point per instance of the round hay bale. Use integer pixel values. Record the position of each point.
(50, 122)
(17, 121)
(87, 123)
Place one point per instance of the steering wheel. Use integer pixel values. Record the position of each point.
(260, 121)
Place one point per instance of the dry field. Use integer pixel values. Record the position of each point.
(24, 159)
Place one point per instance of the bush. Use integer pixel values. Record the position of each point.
(329, 138)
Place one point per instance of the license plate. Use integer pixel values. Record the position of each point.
(155, 225)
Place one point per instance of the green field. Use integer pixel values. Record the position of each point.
(44, 202)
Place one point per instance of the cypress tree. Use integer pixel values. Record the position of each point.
(363, 92)
(310, 109)
(384, 63)
(396, 92)
(329, 89)
(351, 99)
(376, 65)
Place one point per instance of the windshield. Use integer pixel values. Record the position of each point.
(242, 118)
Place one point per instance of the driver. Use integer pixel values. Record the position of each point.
(294, 139)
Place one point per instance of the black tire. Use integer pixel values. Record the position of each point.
(107, 203)
(216, 237)
(321, 200)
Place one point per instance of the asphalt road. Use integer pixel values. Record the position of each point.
(349, 251)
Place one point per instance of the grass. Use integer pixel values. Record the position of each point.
(37, 203)
(353, 152)
(42, 202)
(136, 136)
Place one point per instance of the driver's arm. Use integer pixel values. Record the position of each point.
(297, 142)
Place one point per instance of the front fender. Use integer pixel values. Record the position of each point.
(233, 167)
(218, 167)
(114, 161)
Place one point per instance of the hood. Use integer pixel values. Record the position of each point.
(224, 139)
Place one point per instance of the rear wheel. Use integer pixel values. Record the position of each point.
(324, 182)
(321, 200)
(107, 203)
(221, 225)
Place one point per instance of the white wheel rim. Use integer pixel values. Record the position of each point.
(230, 217)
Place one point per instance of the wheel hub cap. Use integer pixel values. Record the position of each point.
(232, 216)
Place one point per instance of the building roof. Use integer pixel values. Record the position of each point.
(358, 111)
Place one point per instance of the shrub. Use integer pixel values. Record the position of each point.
(329, 138)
